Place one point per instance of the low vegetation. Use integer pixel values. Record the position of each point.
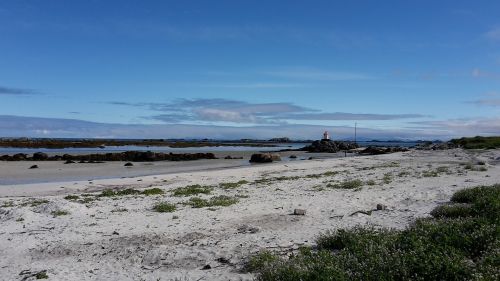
(222, 200)
(59, 213)
(478, 142)
(349, 184)
(130, 191)
(232, 185)
(164, 207)
(192, 190)
(461, 242)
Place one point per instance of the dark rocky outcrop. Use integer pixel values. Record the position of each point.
(128, 164)
(329, 146)
(40, 156)
(34, 167)
(264, 158)
(134, 156)
(373, 150)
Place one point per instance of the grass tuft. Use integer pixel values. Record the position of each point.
(349, 184)
(164, 207)
(222, 200)
(232, 185)
(192, 190)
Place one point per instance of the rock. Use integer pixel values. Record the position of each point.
(40, 156)
(329, 146)
(293, 156)
(223, 260)
(115, 233)
(299, 212)
(264, 158)
(372, 150)
(206, 267)
(128, 164)
(34, 167)
(69, 162)
(19, 157)
(381, 207)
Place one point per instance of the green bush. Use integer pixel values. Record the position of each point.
(462, 242)
(221, 200)
(192, 190)
(153, 191)
(164, 207)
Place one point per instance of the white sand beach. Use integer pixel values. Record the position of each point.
(123, 238)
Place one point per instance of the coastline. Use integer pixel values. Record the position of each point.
(134, 242)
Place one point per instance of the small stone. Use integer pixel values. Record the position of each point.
(206, 267)
(381, 207)
(34, 167)
(128, 164)
(299, 212)
(115, 233)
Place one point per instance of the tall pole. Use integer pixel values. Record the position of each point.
(355, 131)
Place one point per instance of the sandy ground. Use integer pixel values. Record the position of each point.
(18, 172)
(122, 238)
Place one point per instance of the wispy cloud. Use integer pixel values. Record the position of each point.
(320, 75)
(493, 34)
(233, 111)
(486, 102)
(351, 116)
(16, 91)
(480, 73)
(463, 126)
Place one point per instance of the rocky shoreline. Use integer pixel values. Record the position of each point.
(134, 156)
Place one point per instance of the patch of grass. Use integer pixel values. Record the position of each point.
(461, 243)
(232, 185)
(387, 179)
(153, 191)
(403, 174)
(192, 190)
(59, 213)
(41, 275)
(20, 219)
(119, 210)
(370, 182)
(72, 197)
(35, 203)
(164, 207)
(7, 204)
(430, 174)
(260, 260)
(242, 196)
(349, 184)
(222, 200)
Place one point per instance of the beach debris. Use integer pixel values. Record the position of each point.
(381, 207)
(299, 212)
(34, 167)
(368, 213)
(128, 164)
(264, 158)
(248, 229)
(223, 260)
(27, 274)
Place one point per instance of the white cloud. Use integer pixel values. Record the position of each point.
(493, 34)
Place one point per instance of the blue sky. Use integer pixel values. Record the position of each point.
(234, 69)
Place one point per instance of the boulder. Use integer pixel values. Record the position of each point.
(264, 158)
(40, 156)
(329, 146)
(34, 167)
(299, 212)
(128, 164)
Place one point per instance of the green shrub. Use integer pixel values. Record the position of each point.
(231, 185)
(221, 200)
(192, 190)
(153, 191)
(461, 243)
(164, 207)
(350, 184)
(59, 213)
(72, 197)
(453, 211)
